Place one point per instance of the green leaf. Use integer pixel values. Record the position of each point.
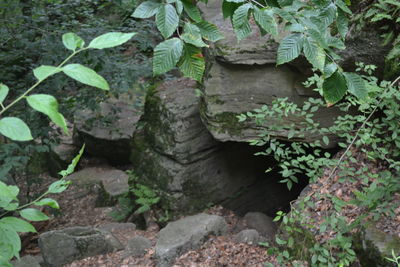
(110, 39)
(265, 19)
(166, 55)
(167, 20)
(325, 139)
(236, 1)
(179, 6)
(328, 15)
(15, 129)
(290, 48)
(18, 225)
(343, 6)
(314, 53)
(240, 21)
(192, 35)
(334, 88)
(8, 194)
(342, 23)
(192, 63)
(330, 69)
(192, 11)
(43, 72)
(228, 8)
(71, 167)
(48, 105)
(3, 92)
(146, 9)
(47, 202)
(34, 215)
(356, 85)
(59, 186)
(9, 237)
(209, 31)
(85, 75)
(72, 41)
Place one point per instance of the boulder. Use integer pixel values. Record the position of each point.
(115, 227)
(255, 49)
(262, 223)
(249, 236)
(60, 247)
(176, 154)
(373, 246)
(137, 246)
(28, 261)
(185, 234)
(107, 132)
(231, 90)
(114, 182)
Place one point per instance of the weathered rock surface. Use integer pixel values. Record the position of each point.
(28, 261)
(178, 155)
(60, 157)
(111, 227)
(60, 247)
(186, 234)
(137, 246)
(107, 132)
(113, 182)
(373, 245)
(249, 236)
(255, 49)
(262, 223)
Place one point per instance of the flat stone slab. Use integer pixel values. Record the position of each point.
(186, 234)
(60, 247)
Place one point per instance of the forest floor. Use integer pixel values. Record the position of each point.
(78, 208)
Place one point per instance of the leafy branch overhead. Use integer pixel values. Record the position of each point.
(182, 49)
(315, 29)
(15, 128)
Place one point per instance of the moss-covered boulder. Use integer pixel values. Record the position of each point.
(373, 246)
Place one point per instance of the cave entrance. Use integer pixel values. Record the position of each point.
(264, 193)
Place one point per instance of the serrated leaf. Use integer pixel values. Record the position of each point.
(314, 53)
(342, 23)
(192, 35)
(34, 215)
(85, 75)
(167, 20)
(146, 9)
(43, 72)
(179, 6)
(72, 41)
(343, 6)
(228, 8)
(330, 69)
(48, 105)
(356, 85)
(18, 225)
(3, 92)
(265, 19)
(110, 39)
(334, 88)
(328, 15)
(290, 48)
(191, 10)
(240, 21)
(166, 55)
(15, 129)
(47, 202)
(192, 63)
(209, 31)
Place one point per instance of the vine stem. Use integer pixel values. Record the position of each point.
(38, 82)
(358, 131)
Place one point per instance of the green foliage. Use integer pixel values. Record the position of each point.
(183, 50)
(395, 259)
(315, 28)
(10, 226)
(16, 129)
(378, 138)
